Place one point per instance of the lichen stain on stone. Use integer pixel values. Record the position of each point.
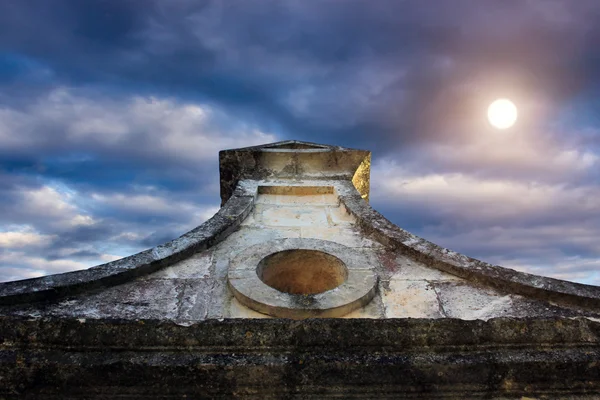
(388, 260)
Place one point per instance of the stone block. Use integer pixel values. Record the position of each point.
(409, 269)
(340, 216)
(238, 310)
(466, 301)
(348, 236)
(291, 216)
(197, 266)
(411, 299)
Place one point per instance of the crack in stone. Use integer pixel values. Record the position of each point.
(180, 296)
(439, 300)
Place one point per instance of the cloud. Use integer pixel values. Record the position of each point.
(64, 156)
(492, 200)
(61, 236)
(91, 125)
(45, 205)
(19, 265)
(543, 228)
(23, 239)
(381, 76)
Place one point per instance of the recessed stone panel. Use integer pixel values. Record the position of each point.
(301, 271)
(291, 216)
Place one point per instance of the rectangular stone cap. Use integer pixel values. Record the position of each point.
(294, 160)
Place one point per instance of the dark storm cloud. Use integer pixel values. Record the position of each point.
(429, 64)
(93, 140)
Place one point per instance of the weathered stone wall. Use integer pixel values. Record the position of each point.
(312, 359)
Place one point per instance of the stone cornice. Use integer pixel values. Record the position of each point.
(315, 358)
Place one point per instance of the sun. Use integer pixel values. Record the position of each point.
(502, 113)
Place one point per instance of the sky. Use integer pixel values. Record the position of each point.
(112, 113)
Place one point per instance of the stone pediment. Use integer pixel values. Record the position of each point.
(296, 239)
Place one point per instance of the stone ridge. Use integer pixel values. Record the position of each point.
(315, 358)
(51, 287)
(539, 287)
(290, 144)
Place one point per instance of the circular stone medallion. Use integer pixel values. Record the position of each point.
(302, 278)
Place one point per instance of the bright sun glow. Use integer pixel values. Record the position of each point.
(502, 113)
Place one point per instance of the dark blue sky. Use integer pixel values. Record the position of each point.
(112, 113)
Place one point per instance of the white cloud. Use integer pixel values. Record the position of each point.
(543, 228)
(24, 238)
(162, 128)
(532, 155)
(485, 199)
(159, 205)
(8, 274)
(46, 206)
(19, 265)
(28, 253)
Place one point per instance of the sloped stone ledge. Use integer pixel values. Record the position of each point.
(539, 287)
(51, 287)
(315, 358)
